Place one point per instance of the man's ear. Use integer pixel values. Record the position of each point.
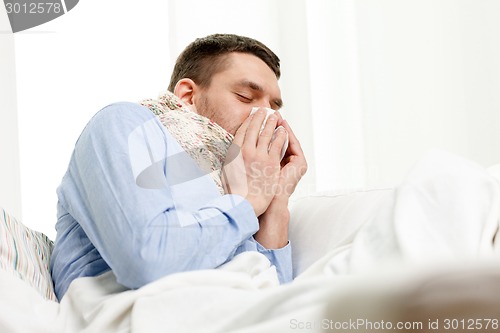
(185, 90)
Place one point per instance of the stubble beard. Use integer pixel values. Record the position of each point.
(208, 110)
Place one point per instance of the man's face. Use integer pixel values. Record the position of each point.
(245, 83)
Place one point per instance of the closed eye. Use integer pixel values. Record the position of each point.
(244, 98)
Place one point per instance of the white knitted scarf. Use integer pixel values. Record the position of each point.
(204, 140)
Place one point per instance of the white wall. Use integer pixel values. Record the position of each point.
(10, 189)
(68, 69)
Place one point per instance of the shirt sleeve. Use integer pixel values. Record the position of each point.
(281, 258)
(133, 222)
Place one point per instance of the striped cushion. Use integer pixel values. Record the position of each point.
(26, 253)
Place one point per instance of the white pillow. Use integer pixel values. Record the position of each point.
(495, 171)
(322, 222)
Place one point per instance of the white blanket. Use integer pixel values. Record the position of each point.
(242, 296)
(445, 213)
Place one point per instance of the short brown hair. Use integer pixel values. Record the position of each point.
(206, 56)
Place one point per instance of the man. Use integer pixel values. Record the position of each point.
(130, 200)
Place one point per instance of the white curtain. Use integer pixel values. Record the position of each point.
(368, 85)
(429, 77)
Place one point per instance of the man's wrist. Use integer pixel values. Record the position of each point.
(277, 211)
(282, 199)
(273, 224)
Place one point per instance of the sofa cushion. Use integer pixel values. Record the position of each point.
(322, 222)
(26, 254)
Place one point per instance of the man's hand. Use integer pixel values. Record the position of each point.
(273, 230)
(293, 165)
(252, 165)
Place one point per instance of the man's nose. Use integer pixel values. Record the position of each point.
(276, 112)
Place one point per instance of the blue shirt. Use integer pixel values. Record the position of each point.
(132, 200)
